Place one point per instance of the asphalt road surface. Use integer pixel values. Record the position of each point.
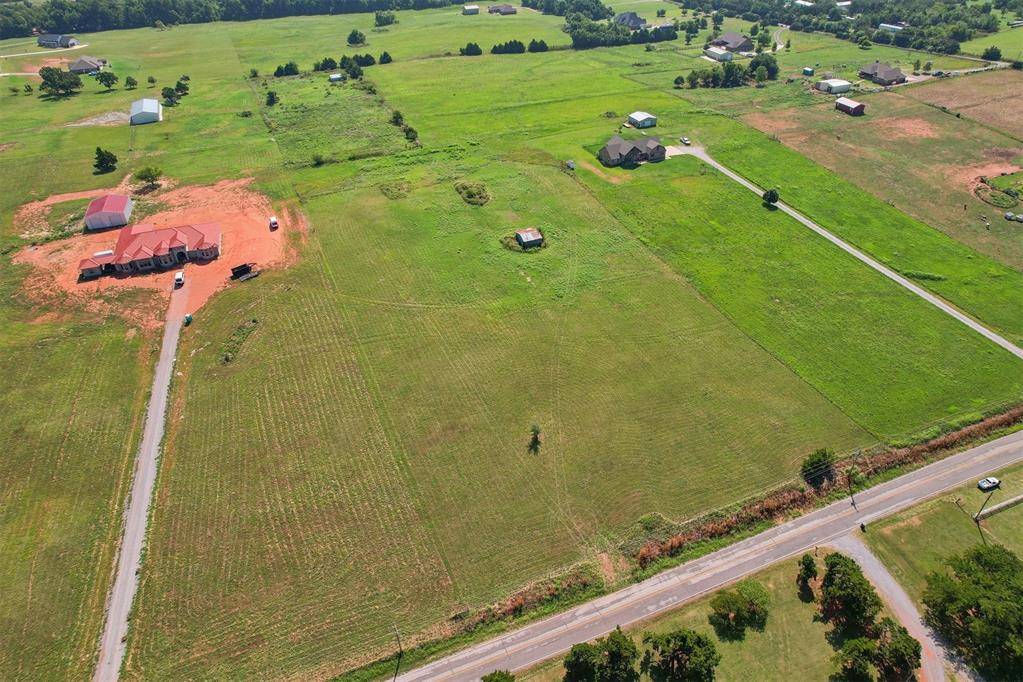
(136, 514)
(553, 636)
(701, 154)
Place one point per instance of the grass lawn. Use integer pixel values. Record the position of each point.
(914, 543)
(1008, 40)
(793, 645)
(362, 461)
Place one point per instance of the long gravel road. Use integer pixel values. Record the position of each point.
(136, 514)
(553, 636)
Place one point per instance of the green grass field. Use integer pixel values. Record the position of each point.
(793, 644)
(915, 542)
(362, 461)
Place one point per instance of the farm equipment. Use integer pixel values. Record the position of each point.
(243, 272)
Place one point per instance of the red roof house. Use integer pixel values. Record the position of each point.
(109, 210)
(141, 248)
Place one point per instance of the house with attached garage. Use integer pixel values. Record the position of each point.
(733, 42)
(143, 248)
(883, 73)
(620, 152)
(56, 40)
(84, 65)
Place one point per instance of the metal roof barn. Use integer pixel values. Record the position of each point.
(145, 111)
(109, 210)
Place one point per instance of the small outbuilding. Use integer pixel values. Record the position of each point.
(641, 119)
(850, 106)
(145, 111)
(85, 65)
(808, 71)
(833, 86)
(529, 238)
(893, 28)
(470, 9)
(718, 54)
(335, 77)
(109, 210)
(56, 40)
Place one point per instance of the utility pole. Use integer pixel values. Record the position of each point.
(397, 665)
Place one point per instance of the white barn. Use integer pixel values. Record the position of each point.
(833, 86)
(718, 54)
(145, 111)
(641, 119)
(109, 210)
(470, 9)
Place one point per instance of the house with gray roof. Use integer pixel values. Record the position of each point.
(621, 152)
(86, 65)
(56, 40)
(630, 20)
(883, 73)
(733, 42)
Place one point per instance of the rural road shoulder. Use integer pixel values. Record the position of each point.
(136, 514)
(935, 658)
(525, 647)
(937, 302)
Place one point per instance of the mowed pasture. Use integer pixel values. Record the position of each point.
(362, 460)
(925, 161)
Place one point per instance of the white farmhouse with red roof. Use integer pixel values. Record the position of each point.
(109, 210)
(142, 248)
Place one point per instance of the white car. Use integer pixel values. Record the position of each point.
(179, 278)
(273, 222)
(986, 485)
(685, 141)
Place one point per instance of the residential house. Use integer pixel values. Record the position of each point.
(641, 119)
(143, 248)
(109, 210)
(84, 65)
(620, 152)
(850, 106)
(502, 9)
(630, 20)
(733, 42)
(56, 40)
(145, 111)
(883, 73)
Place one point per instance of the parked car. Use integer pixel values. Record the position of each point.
(179, 278)
(273, 222)
(1009, 215)
(686, 141)
(986, 485)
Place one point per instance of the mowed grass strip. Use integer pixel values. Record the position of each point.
(363, 459)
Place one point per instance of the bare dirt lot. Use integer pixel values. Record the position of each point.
(111, 118)
(994, 98)
(241, 212)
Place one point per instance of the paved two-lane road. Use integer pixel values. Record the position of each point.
(136, 513)
(553, 636)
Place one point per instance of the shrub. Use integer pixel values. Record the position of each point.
(356, 37)
(385, 58)
(735, 610)
(473, 193)
(537, 46)
(272, 98)
(385, 19)
(992, 54)
(149, 175)
(105, 161)
(470, 50)
(819, 466)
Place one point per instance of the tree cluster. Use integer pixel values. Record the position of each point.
(57, 82)
(510, 47)
(470, 50)
(385, 19)
(592, 9)
(735, 610)
(677, 655)
(977, 606)
(19, 17)
(731, 74)
(289, 69)
(586, 33)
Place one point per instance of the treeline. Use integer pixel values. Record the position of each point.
(70, 16)
(936, 27)
(761, 68)
(510, 47)
(586, 33)
(594, 9)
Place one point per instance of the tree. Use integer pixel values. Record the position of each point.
(181, 87)
(693, 79)
(847, 598)
(767, 61)
(57, 82)
(976, 604)
(581, 663)
(788, 44)
(819, 466)
(927, 66)
(27, 88)
(105, 162)
(916, 65)
(661, 12)
(760, 75)
(185, 77)
(170, 96)
(149, 175)
(807, 570)
(498, 676)
(385, 18)
(735, 610)
(253, 73)
(855, 659)
(397, 118)
(470, 50)
(898, 653)
(538, 46)
(151, 80)
(107, 79)
(992, 54)
(771, 197)
(680, 655)
(385, 58)
(130, 83)
(272, 98)
(356, 37)
(534, 438)
(609, 659)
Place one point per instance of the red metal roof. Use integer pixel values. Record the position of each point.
(529, 234)
(137, 242)
(115, 203)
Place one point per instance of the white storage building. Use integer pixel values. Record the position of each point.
(641, 119)
(718, 54)
(145, 111)
(833, 86)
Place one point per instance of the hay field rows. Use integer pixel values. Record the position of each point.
(362, 461)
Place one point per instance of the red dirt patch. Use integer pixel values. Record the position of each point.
(241, 212)
(999, 161)
(59, 62)
(905, 128)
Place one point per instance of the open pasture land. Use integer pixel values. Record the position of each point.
(925, 161)
(993, 98)
(1008, 40)
(914, 543)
